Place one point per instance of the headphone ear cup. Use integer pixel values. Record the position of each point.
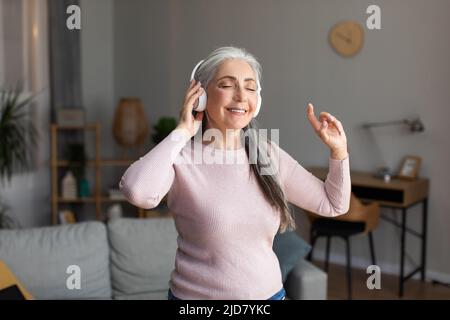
(201, 102)
(201, 105)
(258, 103)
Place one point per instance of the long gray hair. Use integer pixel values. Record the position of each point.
(268, 183)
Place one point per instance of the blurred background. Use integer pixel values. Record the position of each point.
(145, 50)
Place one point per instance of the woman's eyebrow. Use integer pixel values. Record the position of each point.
(234, 78)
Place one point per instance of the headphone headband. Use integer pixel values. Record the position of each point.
(195, 69)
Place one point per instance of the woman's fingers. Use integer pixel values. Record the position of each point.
(323, 131)
(191, 84)
(331, 120)
(312, 117)
(340, 127)
(323, 116)
(192, 89)
(327, 116)
(193, 92)
(190, 102)
(317, 124)
(188, 121)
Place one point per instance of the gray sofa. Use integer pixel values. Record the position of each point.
(124, 259)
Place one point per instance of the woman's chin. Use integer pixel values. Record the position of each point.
(237, 122)
(235, 125)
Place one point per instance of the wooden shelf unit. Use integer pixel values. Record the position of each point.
(97, 163)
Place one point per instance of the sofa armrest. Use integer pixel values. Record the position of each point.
(306, 282)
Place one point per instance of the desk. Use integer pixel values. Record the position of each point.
(397, 194)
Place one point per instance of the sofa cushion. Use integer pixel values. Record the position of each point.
(289, 248)
(40, 257)
(142, 257)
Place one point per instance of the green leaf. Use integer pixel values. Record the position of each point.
(18, 135)
(163, 128)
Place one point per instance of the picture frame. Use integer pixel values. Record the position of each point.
(410, 166)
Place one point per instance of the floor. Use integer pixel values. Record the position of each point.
(414, 289)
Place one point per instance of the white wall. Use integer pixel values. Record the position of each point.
(97, 61)
(97, 74)
(142, 35)
(403, 70)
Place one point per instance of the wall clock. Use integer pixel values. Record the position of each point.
(347, 38)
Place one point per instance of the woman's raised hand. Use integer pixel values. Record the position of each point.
(330, 131)
(187, 121)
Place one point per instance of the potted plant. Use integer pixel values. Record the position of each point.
(18, 137)
(164, 126)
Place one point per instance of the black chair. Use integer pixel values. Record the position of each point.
(359, 219)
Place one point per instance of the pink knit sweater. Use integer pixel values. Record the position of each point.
(225, 225)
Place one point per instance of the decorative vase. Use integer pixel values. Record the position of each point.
(84, 191)
(69, 186)
(130, 124)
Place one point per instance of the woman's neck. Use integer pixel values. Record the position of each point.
(230, 142)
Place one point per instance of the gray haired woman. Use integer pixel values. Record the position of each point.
(227, 215)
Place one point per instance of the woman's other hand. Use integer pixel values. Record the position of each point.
(330, 131)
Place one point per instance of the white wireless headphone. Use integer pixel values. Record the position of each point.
(203, 97)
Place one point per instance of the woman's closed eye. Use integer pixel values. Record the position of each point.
(229, 86)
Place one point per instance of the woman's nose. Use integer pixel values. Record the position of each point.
(239, 94)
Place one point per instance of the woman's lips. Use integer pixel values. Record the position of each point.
(237, 113)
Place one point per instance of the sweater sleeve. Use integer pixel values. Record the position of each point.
(148, 179)
(330, 198)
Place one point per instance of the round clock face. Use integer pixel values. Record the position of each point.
(347, 38)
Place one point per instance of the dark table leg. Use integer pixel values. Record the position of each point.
(424, 237)
(402, 252)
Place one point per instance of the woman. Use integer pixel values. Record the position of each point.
(227, 215)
